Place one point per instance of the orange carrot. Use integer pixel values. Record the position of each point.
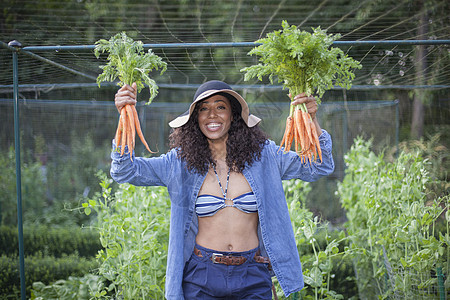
(290, 136)
(127, 128)
(119, 130)
(283, 140)
(316, 141)
(130, 116)
(139, 130)
(307, 120)
(296, 135)
(298, 130)
(309, 156)
(301, 130)
(130, 139)
(124, 130)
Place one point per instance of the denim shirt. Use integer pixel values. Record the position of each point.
(264, 176)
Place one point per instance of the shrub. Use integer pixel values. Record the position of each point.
(33, 191)
(54, 181)
(54, 242)
(45, 269)
(74, 288)
(326, 268)
(134, 230)
(392, 226)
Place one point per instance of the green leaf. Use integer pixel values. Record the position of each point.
(87, 211)
(128, 62)
(404, 263)
(316, 277)
(302, 61)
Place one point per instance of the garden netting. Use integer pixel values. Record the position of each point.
(68, 141)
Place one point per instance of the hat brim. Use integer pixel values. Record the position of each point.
(250, 120)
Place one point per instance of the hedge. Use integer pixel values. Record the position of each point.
(55, 242)
(45, 269)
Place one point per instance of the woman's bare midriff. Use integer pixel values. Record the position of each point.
(229, 229)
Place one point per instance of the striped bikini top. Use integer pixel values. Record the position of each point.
(208, 205)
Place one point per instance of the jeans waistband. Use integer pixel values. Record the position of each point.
(231, 258)
(209, 252)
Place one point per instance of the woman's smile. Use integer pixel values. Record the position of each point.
(214, 126)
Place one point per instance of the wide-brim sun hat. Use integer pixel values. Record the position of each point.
(209, 89)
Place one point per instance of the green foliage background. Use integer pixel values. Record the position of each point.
(395, 236)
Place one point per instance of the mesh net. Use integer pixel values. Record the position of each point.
(62, 107)
(35, 23)
(71, 140)
(383, 66)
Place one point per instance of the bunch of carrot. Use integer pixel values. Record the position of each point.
(301, 130)
(127, 128)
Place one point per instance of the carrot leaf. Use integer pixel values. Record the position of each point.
(303, 62)
(128, 62)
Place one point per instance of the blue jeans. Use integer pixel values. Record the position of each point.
(204, 279)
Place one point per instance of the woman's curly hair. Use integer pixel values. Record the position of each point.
(244, 144)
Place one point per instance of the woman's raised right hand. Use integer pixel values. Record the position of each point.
(125, 95)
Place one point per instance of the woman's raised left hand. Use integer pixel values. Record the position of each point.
(309, 101)
(125, 95)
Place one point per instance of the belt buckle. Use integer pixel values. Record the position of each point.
(214, 255)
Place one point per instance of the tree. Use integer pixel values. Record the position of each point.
(420, 21)
(418, 117)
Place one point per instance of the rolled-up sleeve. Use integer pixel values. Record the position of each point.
(141, 171)
(291, 166)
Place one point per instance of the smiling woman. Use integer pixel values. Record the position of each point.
(245, 139)
(230, 229)
(214, 118)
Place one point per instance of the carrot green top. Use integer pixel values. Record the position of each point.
(303, 62)
(128, 61)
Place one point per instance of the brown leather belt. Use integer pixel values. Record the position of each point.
(231, 260)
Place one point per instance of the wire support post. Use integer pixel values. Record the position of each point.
(17, 46)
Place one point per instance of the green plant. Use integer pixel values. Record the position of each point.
(33, 187)
(133, 224)
(303, 62)
(41, 268)
(73, 288)
(128, 62)
(321, 251)
(392, 224)
(52, 241)
(71, 179)
(433, 149)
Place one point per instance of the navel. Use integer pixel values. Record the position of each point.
(230, 247)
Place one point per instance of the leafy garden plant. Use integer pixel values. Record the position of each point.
(302, 62)
(128, 62)
(133, 224)
(397, 239)
(321, 251)
(394, 228)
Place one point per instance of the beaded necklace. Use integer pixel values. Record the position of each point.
(224, 193)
